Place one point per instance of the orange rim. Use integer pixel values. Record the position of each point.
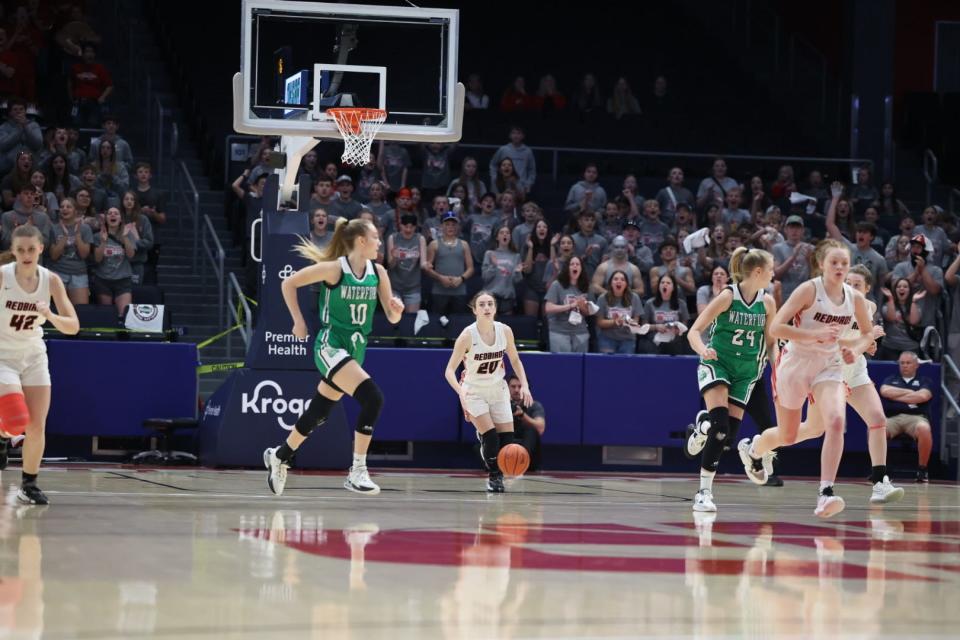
(352, 118)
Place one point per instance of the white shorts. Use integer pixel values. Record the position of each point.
(490, 398)
(26, 368)
(797, 373)
(855, 375)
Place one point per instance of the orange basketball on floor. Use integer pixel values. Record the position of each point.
(513, 460)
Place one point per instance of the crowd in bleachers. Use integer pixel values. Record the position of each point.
(612, 257)
(64, 167)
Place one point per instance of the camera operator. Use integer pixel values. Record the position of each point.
(529, 423)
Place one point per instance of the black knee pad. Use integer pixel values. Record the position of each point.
(505, 438)
(716, 438)
(732, 431)
(315, 414)
(370, 398)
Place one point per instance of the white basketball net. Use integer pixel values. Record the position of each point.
(358, 128)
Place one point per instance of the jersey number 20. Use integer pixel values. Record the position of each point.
(739, 334)
(22, 323)
(358, 313)
(490, 366)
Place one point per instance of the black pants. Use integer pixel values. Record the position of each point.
(530, 439)
(758, 407)
(442, 305)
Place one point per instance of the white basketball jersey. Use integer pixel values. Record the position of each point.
(484, 362)
(824, 312)
(20, 324)
(853, 333)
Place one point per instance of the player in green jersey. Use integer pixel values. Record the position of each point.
(352, 286)
(732, 363)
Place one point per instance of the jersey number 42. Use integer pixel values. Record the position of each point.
(22, 323)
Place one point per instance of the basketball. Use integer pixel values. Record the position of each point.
(513, 460)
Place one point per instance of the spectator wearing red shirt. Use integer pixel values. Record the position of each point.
(548, 99)
(516, 97)
(90, 85)
(12, 69)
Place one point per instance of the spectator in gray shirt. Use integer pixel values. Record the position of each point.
(652, 230)
(18, 133)
(586, 194)
(502, 270)
(639, 254)
(931, 227)
(673, 194)
(377, 202)
(406, 257)
(531, 213)
(113, 248)
(436, 168)
(345, 206)
(394, 164)
(111, 124)
(733, 215)
(671, 265)
(480, 227)
(864, 189)
(618, 308)
(922, 275)
(714, 188)
(862, 252)
(588, 244)
(792, 257)
(72, 240)
(112, 175)
(137, 224)
(567, 307)
(24, 212)
(522, 157)
(450, 265)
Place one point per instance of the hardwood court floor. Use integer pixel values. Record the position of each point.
(132, 553)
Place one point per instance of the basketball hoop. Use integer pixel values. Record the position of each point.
(358, 127)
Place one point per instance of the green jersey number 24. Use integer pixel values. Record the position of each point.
(740, 334)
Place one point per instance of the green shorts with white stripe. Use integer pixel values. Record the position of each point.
(739, 378)
(333, 349)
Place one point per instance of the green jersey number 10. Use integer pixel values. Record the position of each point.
(358, 313)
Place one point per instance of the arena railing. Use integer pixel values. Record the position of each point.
(239, 314)
(216, 257)
(233, 154)
(949, 438)
(931, 172)
(186, 198)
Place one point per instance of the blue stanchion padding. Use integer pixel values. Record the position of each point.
(418, 402)
(638, 400)
(255, 409)
(110, 388)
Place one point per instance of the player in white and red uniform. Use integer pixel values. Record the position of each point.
(863, 397)
(25, 292)
(484, 394)
(811, 366)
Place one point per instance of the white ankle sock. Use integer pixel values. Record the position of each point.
(359, 460)
(706, 479)
(824, 484)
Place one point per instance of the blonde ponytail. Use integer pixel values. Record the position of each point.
(745, 260)
(345, 234)
(820, 252)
